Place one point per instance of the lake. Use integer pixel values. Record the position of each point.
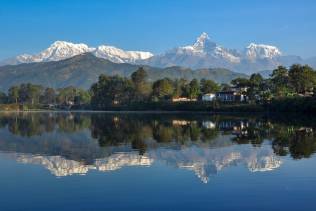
(156, 161)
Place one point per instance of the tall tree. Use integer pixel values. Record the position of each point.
(111, 90)
(281, 82)
(3, 98)
(180, 87)
(142, 88)
(49, 96)
(163, 89)
(209, 86)
(254, 87)
(14, 94)
(194, 89)
(302, 78)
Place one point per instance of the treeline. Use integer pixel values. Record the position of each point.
(138, 92)
(36, 94)
(288, 135)
(116, 90)
(298, 80)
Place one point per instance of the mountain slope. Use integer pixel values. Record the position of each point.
(83, 70)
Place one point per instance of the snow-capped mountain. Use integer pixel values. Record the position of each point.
(205, 53)
(120, 56)
(61, 50)
(201, 54)
(260, 51)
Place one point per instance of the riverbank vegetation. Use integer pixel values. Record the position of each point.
(287, 89)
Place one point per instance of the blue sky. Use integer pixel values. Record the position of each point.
(28, 26)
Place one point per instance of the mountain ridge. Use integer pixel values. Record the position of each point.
(203, 53)
(83, 70)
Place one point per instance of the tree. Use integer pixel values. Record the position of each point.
(225, 87)
(3, 98)
(14, 94)
(30, 93)
(163, 88)
(66, 95)
(82, 97)
(142, 88)
(255, 79)
(255, 84)
(281, 82)
(180, 87)
(209, 86)
(240, 82)
(302, 78)
(194, 89)
(111, 90)
(49, 96)
(139, 76)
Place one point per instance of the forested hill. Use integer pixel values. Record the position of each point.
(83, 70)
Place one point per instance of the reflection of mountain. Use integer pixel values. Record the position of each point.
(75, 143)
(60, 166)
(203, 161)
(208, 161)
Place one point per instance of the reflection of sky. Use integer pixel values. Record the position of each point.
(169, 176)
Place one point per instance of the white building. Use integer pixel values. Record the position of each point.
(208, 97)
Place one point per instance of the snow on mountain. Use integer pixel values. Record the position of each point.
(120, 56)
(60, 50)
(204, 48)
(203, 53)
(260, 51)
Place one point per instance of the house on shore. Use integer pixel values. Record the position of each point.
(183, 99)
(230, 96)
(208, 97)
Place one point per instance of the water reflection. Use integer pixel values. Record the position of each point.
(76, 143)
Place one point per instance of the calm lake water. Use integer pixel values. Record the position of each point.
(111, 161)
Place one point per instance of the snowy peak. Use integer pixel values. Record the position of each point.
(203, 43)
(60, 50)
(120, 56)
(260, 51)
(57, 51)
(205, 49)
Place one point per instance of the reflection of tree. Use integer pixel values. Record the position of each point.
(116, 130)
(29, 125)
(300, 143)
(252, 132)
(142, 132)
(33, 124)
(209, 134)
(72, 122)
(162, 133)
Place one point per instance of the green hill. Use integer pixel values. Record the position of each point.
(83, 70)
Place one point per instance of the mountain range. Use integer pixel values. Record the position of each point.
(84, 69)
(203, 53)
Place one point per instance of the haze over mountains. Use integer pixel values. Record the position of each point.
(203, 53)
